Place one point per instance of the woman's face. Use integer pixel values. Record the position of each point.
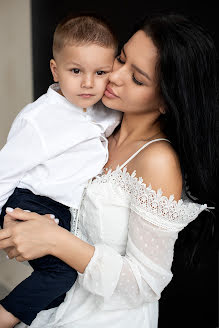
(132, 84)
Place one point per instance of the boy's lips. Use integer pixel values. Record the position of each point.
(110, 93)
(86, 95)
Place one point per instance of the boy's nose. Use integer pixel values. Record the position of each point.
(87, 82)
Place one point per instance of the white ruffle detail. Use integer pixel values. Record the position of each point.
(158, 209)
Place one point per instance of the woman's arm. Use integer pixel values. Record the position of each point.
(49, 239)
(72, 250)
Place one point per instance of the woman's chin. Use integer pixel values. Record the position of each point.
(108, 102)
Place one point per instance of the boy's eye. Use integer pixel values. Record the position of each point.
(100, 72)
(120, 60)
(75, 70)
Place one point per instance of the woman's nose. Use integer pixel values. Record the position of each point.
(117, 74)
(87, 81)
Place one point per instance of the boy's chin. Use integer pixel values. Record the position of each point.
(86, 103)
(89, 102)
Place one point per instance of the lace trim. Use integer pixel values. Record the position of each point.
(150, 204)
(74, 213)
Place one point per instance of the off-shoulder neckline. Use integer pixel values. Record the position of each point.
(140, 181)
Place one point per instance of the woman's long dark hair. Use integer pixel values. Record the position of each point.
(187, 77)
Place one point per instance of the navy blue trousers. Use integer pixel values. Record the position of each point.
(46, 287)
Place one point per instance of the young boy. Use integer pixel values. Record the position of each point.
(55, 145)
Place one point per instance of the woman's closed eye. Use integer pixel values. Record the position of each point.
(136, 81)
(133, 76)
(120, 60)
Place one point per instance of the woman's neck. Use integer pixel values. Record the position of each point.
(138, 128)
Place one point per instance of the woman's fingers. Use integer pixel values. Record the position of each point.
(4, 234)
(19, 214)
(9, 222)
(12, 253)
(52, 216)
(5, 243)
(7, 249)
(20, 258)
(25, 215)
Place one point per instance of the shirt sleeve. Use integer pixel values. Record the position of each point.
(141, 274)
(24, 149)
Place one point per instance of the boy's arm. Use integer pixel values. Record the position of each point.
(24, 150)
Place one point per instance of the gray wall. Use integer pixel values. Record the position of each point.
(15, 63)
(15, 93)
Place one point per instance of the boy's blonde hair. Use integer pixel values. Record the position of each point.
(81, 30)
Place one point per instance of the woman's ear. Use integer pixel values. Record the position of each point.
(162, 110)
(54, 70)
(161, 106)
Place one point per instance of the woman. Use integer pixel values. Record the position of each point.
(164, 81)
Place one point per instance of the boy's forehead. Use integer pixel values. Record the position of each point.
(87, 53)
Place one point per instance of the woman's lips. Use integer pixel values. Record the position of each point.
(109, 93)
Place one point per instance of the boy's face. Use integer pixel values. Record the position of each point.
(82, 72)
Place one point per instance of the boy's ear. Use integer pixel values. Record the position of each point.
(54, 70)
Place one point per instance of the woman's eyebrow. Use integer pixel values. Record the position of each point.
(141, 72)
(137, 68)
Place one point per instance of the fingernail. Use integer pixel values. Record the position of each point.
(7, 257)
(9, 209)
(56, 221)
(26, 211)
(52, 216)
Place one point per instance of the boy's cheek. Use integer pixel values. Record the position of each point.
(106, 80)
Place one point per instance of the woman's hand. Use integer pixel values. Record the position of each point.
(9, 222)
(37, 235)
(32, 237)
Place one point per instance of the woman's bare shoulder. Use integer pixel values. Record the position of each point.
(158, 165)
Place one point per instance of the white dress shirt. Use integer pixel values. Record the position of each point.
(54, 148)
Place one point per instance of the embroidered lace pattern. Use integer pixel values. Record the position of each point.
(74, 213)
(153, 205)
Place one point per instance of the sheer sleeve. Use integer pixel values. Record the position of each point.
(141, 274)
(144, 270)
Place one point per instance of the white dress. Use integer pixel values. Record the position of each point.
(133, 229)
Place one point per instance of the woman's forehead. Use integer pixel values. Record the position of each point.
(141, 44)
(141, 51)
